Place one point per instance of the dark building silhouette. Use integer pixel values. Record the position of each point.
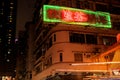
(7, 36)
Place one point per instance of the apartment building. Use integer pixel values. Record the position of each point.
(7, 38)
(66, 51)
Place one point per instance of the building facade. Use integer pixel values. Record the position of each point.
(21, 56)
(7, 37)
(67, 51)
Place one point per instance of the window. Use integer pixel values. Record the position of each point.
(39, 68)
(100, 0)
(50, 60)
(106, 1)
(78, 38)
(38, 54)
(101, 7)
(116, 25)
(78, 57)
(50, 42)
(78, 4)
(83, 4)
(91, 39)
(107, 40)
(61, 57)
(117, 2)
(69, 3)
(54, 37)
(115, 10)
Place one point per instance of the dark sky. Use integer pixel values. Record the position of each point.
(24, 13)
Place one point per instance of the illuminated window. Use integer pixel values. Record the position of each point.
(8, 42)
(1, 11)
(11, 3)
(0, 40)
(8, 52)
(10, 30)
(1, 26)
(10, 19)
(9, 34)
(8, 60)
(11, 7)
(9, 37)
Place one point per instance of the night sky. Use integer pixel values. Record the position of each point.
(24, 13)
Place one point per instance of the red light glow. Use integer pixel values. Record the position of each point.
(53, 14)
(68, 15)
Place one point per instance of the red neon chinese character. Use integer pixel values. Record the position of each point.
(80, 17)
(67, 15)
(53, 14)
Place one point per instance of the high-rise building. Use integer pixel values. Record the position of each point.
(59, 43)
(7, 37)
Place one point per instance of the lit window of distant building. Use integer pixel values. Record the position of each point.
(11, 7)
(10, 19)
(8, 60)
(10, 30)
(8, 52)
(11, 3)
(1, 11)
(9, 37)
(1, 26)
(0, 40)
(8, 42)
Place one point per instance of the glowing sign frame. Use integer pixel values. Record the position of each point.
(97, 19)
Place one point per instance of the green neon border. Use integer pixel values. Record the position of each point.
(105, 14)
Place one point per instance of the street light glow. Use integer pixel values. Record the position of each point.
(94, 63)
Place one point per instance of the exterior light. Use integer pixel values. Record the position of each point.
(73, 70)
(118, 37)
(94, 63)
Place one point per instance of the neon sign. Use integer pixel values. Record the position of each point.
(76, 16)
(70, 16)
